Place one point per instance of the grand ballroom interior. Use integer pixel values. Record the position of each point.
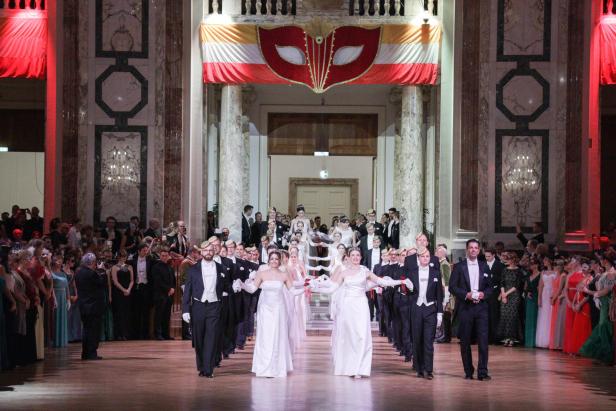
(154, 123)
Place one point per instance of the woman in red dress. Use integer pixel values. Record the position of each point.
(573, 278)
(582, 326)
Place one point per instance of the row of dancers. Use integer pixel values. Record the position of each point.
(282, 309)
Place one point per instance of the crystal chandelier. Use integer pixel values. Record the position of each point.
(120, 171)
(522, 181)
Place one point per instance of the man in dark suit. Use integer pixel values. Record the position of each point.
(141, 297)
(201, 303)
(228, 316)
(246, 234)
(371, 219)
(495, 268)
(91, 290)
(411, 262)
(426, 312)
(373, 254)
(179, 243)
(401, 315)
(384, 298)
(470, 283)
(366, 242)
(163, 289)
(258, 229)
(242, 271)
(392, 230)
(112, 235)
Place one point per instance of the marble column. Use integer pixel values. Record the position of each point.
(232, 153)
(196, 136)
(408, 175)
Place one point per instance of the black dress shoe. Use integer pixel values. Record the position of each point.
(209, 375)
(420, 375)
(169, 338)
(240, 347)
(484, 378)
(201, 374)
(468, 377)
(225, 356)
(159, 338)
(429, 376)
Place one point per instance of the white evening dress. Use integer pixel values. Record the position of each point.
(299, 312)
(347, 236)
(272, 354)
(352, 335)
(544, 317)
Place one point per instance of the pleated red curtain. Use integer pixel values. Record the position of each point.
(23, 43)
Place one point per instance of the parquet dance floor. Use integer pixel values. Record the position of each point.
(152, 375)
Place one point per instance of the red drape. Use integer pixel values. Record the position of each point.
(607, 29)
(23, 43)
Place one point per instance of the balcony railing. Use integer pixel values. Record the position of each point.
(22, 4)
(281, 10)
(272, 7)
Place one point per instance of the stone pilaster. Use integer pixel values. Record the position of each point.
(232, 153)
(408, 174)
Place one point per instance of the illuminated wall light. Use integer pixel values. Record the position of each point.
(321, 153)
(4, 149)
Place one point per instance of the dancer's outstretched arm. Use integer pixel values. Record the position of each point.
(384, 281)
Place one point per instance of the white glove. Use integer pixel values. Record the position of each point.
(225, 294)
(370, 285)
(328, 287)
(236, 286)
(388, 282)
(249, 286)
(252, 275)
(409, 284)
(186, 317)
(298, 284)
(439, 319)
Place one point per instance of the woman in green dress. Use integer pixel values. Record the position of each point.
(600, 344)
(531, 290)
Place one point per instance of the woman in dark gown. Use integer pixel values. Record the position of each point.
(509, 324)
(122, 280)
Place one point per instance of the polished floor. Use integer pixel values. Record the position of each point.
(156, 375)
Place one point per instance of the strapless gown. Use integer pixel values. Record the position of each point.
(272, 355)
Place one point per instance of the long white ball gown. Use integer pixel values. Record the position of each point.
(272, 354)
(298, 322)
(544, 317)
(352, 335)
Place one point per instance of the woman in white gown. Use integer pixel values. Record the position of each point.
(352, 334)
(297, 274)
(544, 317)
(305, 222)
(346, 232)
(272, 353)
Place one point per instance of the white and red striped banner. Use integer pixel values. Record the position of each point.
(390, 54)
